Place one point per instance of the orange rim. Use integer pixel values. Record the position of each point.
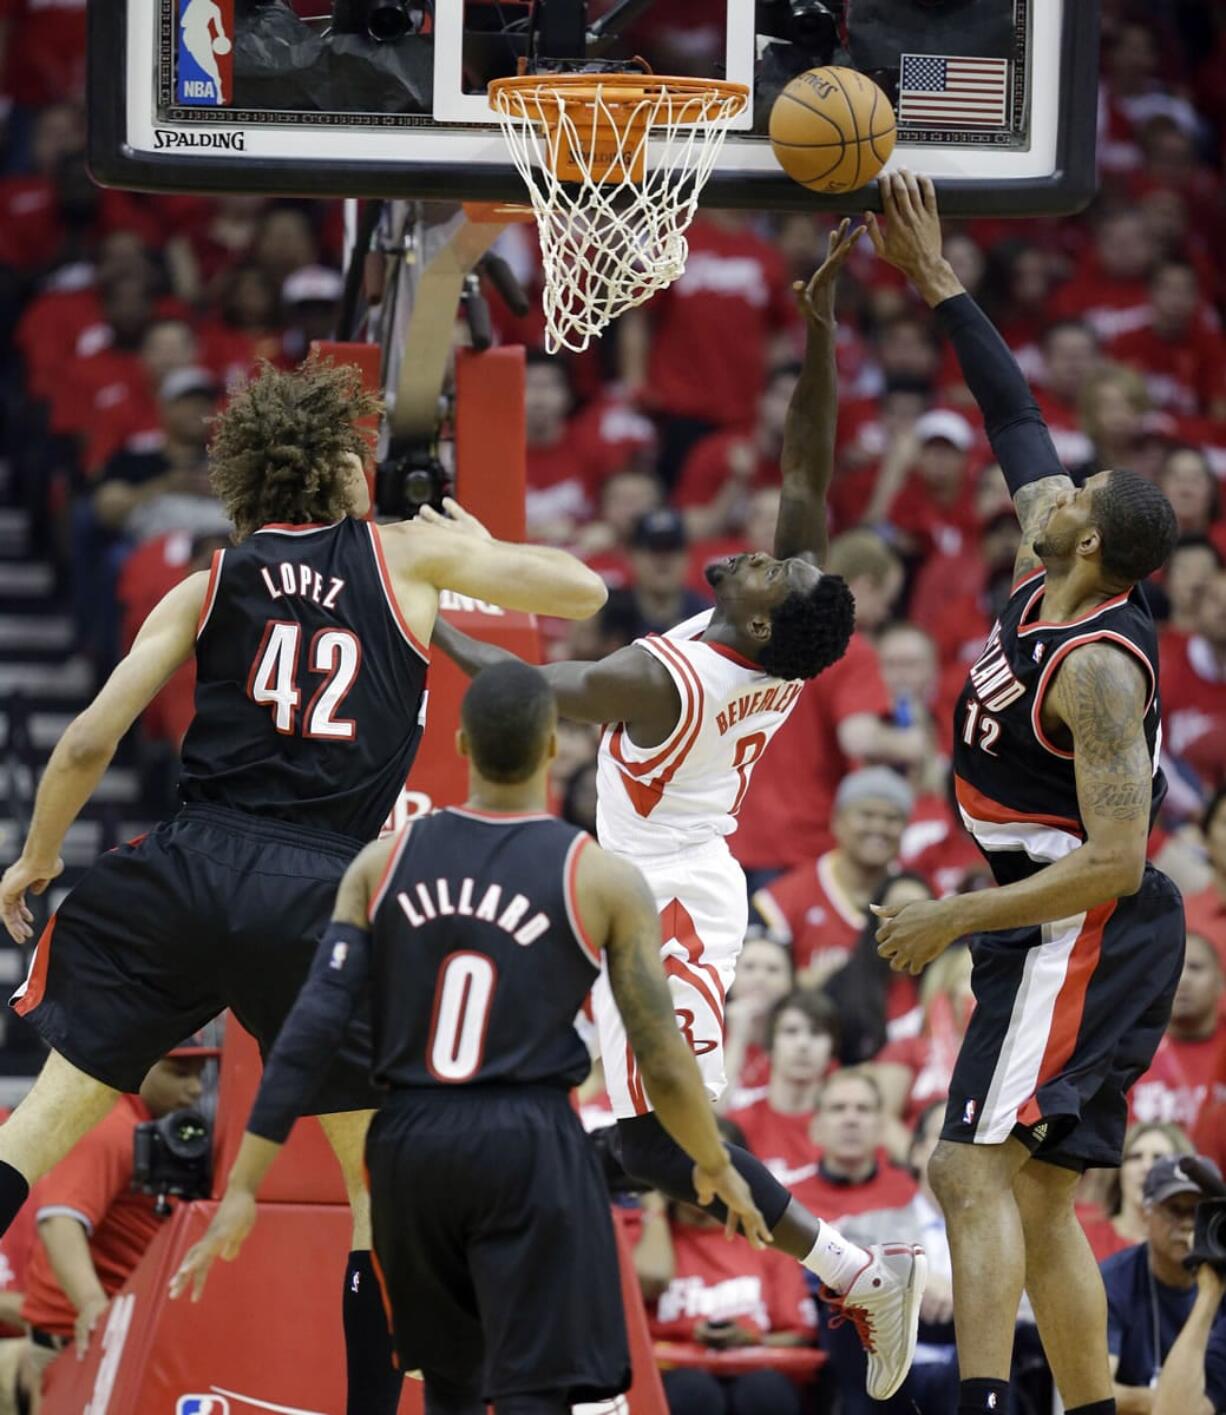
(612, 111)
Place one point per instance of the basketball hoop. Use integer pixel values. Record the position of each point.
(614, 164)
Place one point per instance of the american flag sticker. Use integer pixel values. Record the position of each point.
(949, 91)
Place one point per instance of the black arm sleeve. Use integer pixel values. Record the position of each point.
(1016, 430)
(339, 977)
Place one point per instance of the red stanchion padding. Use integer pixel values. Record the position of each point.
(647, 1391)
(490, 448)
(306, 1171)
(440, 776)
(266, 1335)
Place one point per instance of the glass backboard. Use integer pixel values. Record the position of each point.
(298, 96)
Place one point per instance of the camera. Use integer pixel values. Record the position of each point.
(408, 479)
(383, 20)
(1209, 1236)
(173, 1156)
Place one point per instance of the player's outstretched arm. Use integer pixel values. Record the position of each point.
(911, 242)
(1100, 694)
(166, 640)
(454, 551)
(807, 459)
(629, 686)
(338, 980)
(619, 911)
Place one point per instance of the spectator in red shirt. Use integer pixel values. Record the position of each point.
(1193, 564)
(1183, 1073)
(819, 908)
(1206, 910)
(925, 490)
(838, 723)
(802, 1040)
(1181, 356)
(94, 1228)
(1194, 691)
(854, 1172)
(676, 356)
(915, 1071)
(764, 975)
(44, 45)
(723, 470)
(1113, 408)
(1070, 355)
(1120, 1223)
(875, 1004)
(1110, 289)
(1193, 492)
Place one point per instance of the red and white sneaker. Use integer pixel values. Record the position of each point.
(883, 1304)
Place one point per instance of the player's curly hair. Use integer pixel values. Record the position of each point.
(810, 631)
(278, 449)
(1137, 525)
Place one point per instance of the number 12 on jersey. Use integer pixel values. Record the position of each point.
(276, 672)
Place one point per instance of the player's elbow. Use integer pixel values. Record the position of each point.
(86, 744)
(1119, 868)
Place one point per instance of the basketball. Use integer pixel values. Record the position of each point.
(221, 45)
(832, 130)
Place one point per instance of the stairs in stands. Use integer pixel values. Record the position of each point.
(44, 683)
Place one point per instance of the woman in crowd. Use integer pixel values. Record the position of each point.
(764, 975)
(1120, 1222)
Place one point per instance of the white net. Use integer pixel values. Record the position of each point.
(639, 157)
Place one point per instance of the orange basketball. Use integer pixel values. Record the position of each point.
(832, 130)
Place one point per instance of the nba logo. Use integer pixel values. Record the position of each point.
(202, 1405)
(969, 1111)
(205, 76)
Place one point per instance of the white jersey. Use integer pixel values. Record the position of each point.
(687, 790)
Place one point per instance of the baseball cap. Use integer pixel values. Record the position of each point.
(874, 783)
(313, 284)
(1168, 1176)
(662, 529)
(202, 1043)
(943, 424)
(183, 381)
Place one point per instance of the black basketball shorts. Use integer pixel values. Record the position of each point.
(494, 1243)
(1067, 1018)
(212, 909)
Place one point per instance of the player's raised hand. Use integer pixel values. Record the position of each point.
(453, 517)
(223, 1238)
(18, 878)
(816, 296)
(727, 1185)
(911, 239)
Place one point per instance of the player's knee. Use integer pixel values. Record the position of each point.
(959, 1177)
(649, 1154)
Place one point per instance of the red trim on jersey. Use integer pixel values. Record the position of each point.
(634, 1083)
(731, 654)
(983, 808)
(382, 1281)
(1025, 580)
(577, 846)
(1099, 635)
(645, 795)
(678, 924)
(385, 878)
(210, 591)
(35, 984)
(393, 604)
(1070, 1005)
(682, 663)
(1023, 628)
(669, 745)
(297, 527)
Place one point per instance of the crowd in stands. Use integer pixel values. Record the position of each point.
(125, 319)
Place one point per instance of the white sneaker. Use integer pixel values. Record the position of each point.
(883, 1305)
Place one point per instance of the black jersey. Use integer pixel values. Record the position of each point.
(310, 688)
(479, 963)
(1016, 788)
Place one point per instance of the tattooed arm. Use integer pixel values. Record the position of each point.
(617, 910)
(1098, 697)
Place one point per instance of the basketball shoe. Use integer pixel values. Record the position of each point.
(883, 1305)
